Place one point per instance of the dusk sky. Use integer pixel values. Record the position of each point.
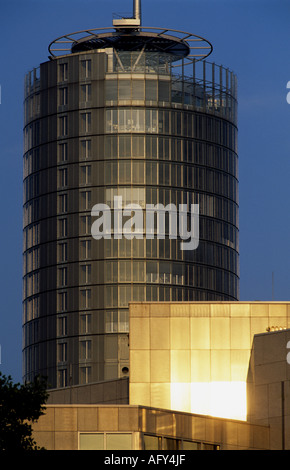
(250, 37)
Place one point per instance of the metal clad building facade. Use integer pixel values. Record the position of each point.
(110, 120)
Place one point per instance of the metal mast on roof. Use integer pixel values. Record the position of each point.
(134, 22)
(137, 10)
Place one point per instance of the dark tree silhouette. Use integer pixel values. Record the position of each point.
(20, 406)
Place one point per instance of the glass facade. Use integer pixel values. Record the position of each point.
(124, 441)
(105, 124)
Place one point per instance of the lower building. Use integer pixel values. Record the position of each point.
(201, 375)
(132, 427)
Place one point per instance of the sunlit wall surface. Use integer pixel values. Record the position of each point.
(102, 124)
(194, 357)
(125, 427)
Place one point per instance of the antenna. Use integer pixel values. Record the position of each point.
(132, 23)
(137, 10)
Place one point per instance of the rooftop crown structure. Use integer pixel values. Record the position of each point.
(128, 113)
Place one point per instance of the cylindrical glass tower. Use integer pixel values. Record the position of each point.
(128, 112)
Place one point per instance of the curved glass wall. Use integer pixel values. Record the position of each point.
(108, 124)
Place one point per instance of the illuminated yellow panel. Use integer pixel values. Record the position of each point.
(180, 396)
(180, 333)
(180, 366)
(240, 333)
(239, 365)
(220, 333)
(228, 400)
(159, 333)
(160, 366)
(140, 366)
(220, 399)
(140, 394)
(195, 357)
(160, 395)
(200, 366)
(137, 340)
(220, 365)
(200, 333)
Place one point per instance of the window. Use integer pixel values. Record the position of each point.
(62, 252)
(138, 146)
(62, 326)
(91, 441)
(138, 171)
(210, 447)
(105, 441)
(151, 146)
(112, 321)
(85, 375)
(151, 121)
(111, 90)
(63, 127)
(125, 271)
(86, 122)
(124, 295)
(63, 96)
(124, 89)
(86, 92)
(86, 68)
(172, 444)
(62, 352)
(62, 378)
(62, 202)
(62, 276)
(86, 149)
(151, 272)
(189, 445)
(125, 120)
(111, 172)
(164, 273)
(138, 271)
(85, 323)
(124, 320)
(163, 90)
(124, 171)
(178, 274)
(138, 90)
(85, 224)
(62, 227)
(85, 299)
(111, 272)
(151, 172)
(111, 296)
(86, 171)
(85, 349)
(85, 273)
(152, 442)
(63, 72)
(62, 301)
(125, 146)
(111, 146)
(85, 200)
(62, 152)
(151, 90)
(85, 249)
(118, 441)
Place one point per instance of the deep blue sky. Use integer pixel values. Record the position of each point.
(252, 38)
